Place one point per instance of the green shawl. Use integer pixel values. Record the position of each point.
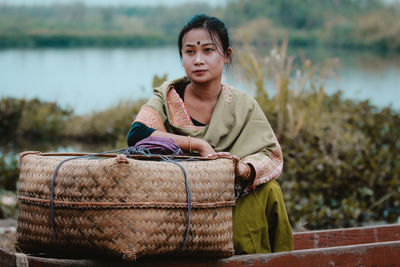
(238, 125)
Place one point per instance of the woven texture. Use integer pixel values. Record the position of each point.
(125, 207)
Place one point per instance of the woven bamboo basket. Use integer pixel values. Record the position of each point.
(128, 207)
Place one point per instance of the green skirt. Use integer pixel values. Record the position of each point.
(260, 222)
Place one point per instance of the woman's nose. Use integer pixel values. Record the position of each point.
(198, 59)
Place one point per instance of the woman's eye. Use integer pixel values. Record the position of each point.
(189, 52)
(208, 49)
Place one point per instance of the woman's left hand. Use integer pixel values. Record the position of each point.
(241, 169)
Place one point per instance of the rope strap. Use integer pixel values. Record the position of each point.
(128, 151)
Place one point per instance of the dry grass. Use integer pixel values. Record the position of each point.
(280, 86)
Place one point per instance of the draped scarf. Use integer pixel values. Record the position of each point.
(238, 126)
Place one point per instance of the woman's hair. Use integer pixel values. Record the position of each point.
(213, 25)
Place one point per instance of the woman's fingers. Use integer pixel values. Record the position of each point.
(236, 159)
(215, 155)
(242, 170)
(218, 155)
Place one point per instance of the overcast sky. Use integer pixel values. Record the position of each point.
(113, 2)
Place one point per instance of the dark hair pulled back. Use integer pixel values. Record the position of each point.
(213, 25)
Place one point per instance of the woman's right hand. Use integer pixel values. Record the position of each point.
(203, 147)
(188, 143)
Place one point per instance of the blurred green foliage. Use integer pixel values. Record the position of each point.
(345, 172)
(8, 173)
(372, 24)
(369, 24)
(80, 25)
(342, 158)
(31, 119)
(109, 127)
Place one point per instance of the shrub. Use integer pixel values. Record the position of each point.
(342, 158)
(8, 173)
(8, 184)
(31, 119)
(109, 127)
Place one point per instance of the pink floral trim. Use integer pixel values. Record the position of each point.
(177, 110)
(150, 118)
(227, 91)
(267, 168)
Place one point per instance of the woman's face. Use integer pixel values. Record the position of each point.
(202, 58)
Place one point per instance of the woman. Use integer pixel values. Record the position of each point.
(201, 114)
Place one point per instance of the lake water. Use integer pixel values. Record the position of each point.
(93, 79)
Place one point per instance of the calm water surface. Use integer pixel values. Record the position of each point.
(85, 79)
(93, 79)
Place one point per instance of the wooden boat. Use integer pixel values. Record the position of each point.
(361, 246)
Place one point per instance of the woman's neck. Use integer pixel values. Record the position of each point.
(205, 92)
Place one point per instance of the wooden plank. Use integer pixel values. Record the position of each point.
(382, 254)
(346, 236)
(7, 259)
(374, 254)
(302, 241)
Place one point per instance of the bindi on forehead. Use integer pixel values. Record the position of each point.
(198, 42)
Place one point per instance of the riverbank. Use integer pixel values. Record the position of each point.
(80, 39)
(346, 24)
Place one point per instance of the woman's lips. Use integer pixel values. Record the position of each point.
(199, 72)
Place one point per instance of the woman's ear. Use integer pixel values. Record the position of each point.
(228, 55)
